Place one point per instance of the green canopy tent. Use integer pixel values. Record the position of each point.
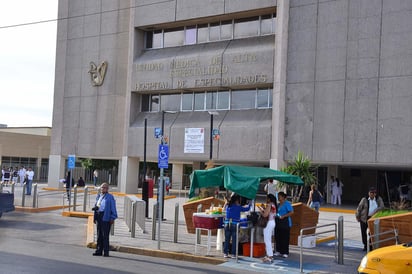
(243, 180)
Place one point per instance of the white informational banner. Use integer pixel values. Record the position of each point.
(194, 140)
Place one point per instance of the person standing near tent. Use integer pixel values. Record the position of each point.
(270, 188)
(233, 209)
(269, 211)
(283, 225)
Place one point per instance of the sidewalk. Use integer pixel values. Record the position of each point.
(320, 259)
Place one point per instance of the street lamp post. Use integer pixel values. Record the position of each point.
(211, 113)
(161, 184)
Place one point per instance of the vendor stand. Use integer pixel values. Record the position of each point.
(243, 180)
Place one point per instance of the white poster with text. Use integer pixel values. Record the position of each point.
(194, 140)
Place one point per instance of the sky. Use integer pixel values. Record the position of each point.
(27, 62)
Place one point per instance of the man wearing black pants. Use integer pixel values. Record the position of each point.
(367, 207)
(104, 215)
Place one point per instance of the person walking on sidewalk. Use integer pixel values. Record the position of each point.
(104, 215)
(315, 198)
(367, 207)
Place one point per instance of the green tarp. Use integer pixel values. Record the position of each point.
(243, 180)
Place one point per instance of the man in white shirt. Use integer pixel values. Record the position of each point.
(30, 176)
(367, 207)
(22, 174)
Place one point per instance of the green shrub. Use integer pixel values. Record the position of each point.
(389, 212)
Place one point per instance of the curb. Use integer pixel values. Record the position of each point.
(150, 252)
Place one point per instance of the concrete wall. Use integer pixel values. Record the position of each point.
(170, 11)
(348, 75)
(89, 120)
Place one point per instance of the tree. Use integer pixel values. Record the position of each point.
(302, 167)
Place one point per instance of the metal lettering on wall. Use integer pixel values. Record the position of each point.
(203, 71)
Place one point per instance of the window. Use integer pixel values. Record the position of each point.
(170, 102)
(262, 98)
(267, 25)
(202, 33)
(246, 27)
(199, 101)
(157, 39)
(174, 37)
(187, 101)
(243, 99)
(190, 35)
(222, 100)
(211, 98)
(150, 102)
(226, 30)
(213, 31)
(154, 102)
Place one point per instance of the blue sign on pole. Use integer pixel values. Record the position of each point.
(71, 161)
(163, 156)
(157, 132)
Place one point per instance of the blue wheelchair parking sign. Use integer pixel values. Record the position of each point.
(163, 156)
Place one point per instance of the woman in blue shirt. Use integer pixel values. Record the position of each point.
(233, 209)
(283, 225)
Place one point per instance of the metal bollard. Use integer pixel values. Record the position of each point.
(154, 221)
(176, 224)
(86, 191)
(34, 195)
(133, 220)
(198, 232)
(23, 197)
(12, 187)
(112, 229)
(74, 197)
(340, 240)
(1, 187)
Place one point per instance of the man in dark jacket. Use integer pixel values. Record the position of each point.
(367, 207)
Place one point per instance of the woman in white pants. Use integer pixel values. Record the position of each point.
(269, 212)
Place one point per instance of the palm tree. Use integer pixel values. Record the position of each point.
(302, 167)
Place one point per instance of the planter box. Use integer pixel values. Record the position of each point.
(191, 207)
(401, 222)
(302, 217)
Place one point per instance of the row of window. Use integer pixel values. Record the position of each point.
(211, 32)
(21, 161)
(208, 100)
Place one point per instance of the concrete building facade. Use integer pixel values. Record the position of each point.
(325, 77)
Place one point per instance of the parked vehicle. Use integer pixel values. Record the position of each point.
(6, 202)
(390, 259)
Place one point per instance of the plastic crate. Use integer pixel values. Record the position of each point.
(258, 250)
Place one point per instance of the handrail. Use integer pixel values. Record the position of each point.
(377, 235)
(315, 234)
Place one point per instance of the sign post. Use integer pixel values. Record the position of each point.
(71, 163)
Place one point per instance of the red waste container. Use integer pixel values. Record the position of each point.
(150, 187)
